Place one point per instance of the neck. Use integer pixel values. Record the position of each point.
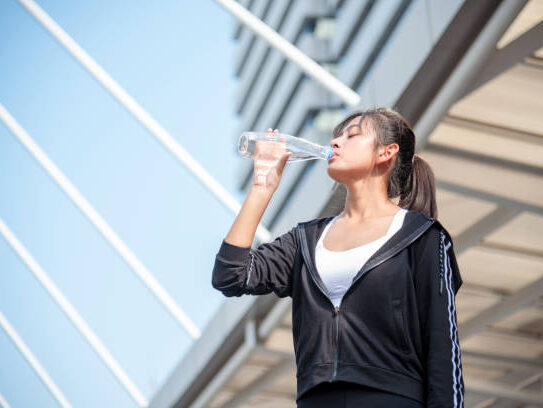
(367, 199)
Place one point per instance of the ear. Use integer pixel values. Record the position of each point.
(388, 152)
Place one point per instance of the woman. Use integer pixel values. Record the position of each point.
(373, 288)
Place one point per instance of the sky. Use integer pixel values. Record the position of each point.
(176, 58)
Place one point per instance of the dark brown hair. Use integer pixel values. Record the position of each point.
(411, 178)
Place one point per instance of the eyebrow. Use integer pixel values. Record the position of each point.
(346, 129)
(349, 127)
(358, 125)
(352, 126)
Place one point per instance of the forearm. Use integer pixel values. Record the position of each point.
(243, 229)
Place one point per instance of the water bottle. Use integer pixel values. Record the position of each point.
(301, 149)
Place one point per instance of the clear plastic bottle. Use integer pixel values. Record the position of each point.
(301, 149)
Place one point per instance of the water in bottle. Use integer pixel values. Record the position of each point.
(301, 149)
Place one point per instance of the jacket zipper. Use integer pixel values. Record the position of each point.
(336, 317)
(334, 308)
(312, 272)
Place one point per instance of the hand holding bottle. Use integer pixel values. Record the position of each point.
(270, 152)
(269, 158)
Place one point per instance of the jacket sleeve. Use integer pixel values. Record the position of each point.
(437, 282)
(268, 268)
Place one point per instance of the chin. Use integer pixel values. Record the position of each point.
(335, 174)
(344, 175)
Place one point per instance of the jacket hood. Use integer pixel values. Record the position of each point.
(414, 225)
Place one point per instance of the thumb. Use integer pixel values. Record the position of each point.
(284, 159)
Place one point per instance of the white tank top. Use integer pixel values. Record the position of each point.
(338, 268)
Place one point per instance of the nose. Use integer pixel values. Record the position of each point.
(334, 143)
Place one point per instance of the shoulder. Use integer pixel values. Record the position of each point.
(433, 232)
(314, 222)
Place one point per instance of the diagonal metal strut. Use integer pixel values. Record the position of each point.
(99, 223)
(292, 53)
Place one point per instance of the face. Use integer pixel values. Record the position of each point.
(356, 156)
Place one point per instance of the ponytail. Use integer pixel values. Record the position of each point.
(418, 192)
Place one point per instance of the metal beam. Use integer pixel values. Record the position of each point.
(513, 249)
(292, 53)
(493, 198)
(227, 371)
(486, 159)
(493, 129)
(221, 338)
(274, 317)
(452, 45)
(515, 379)
(500, 361)
(253, 335)
(33, 361)
(74, 316)
(533, 62)
(261, 383)
(499, 390)
(515, 335)
(467, 70)
(511, 304)
(278, 353)
(492, 293)
(100, 224)
(3, 402)
(506, 57)
(483, 227)
(125, 99)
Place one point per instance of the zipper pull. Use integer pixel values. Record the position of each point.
(441, 283)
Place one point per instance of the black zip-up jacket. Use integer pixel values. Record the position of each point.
(395, 328)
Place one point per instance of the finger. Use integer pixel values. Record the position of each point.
(258, 148)
(284, 158)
